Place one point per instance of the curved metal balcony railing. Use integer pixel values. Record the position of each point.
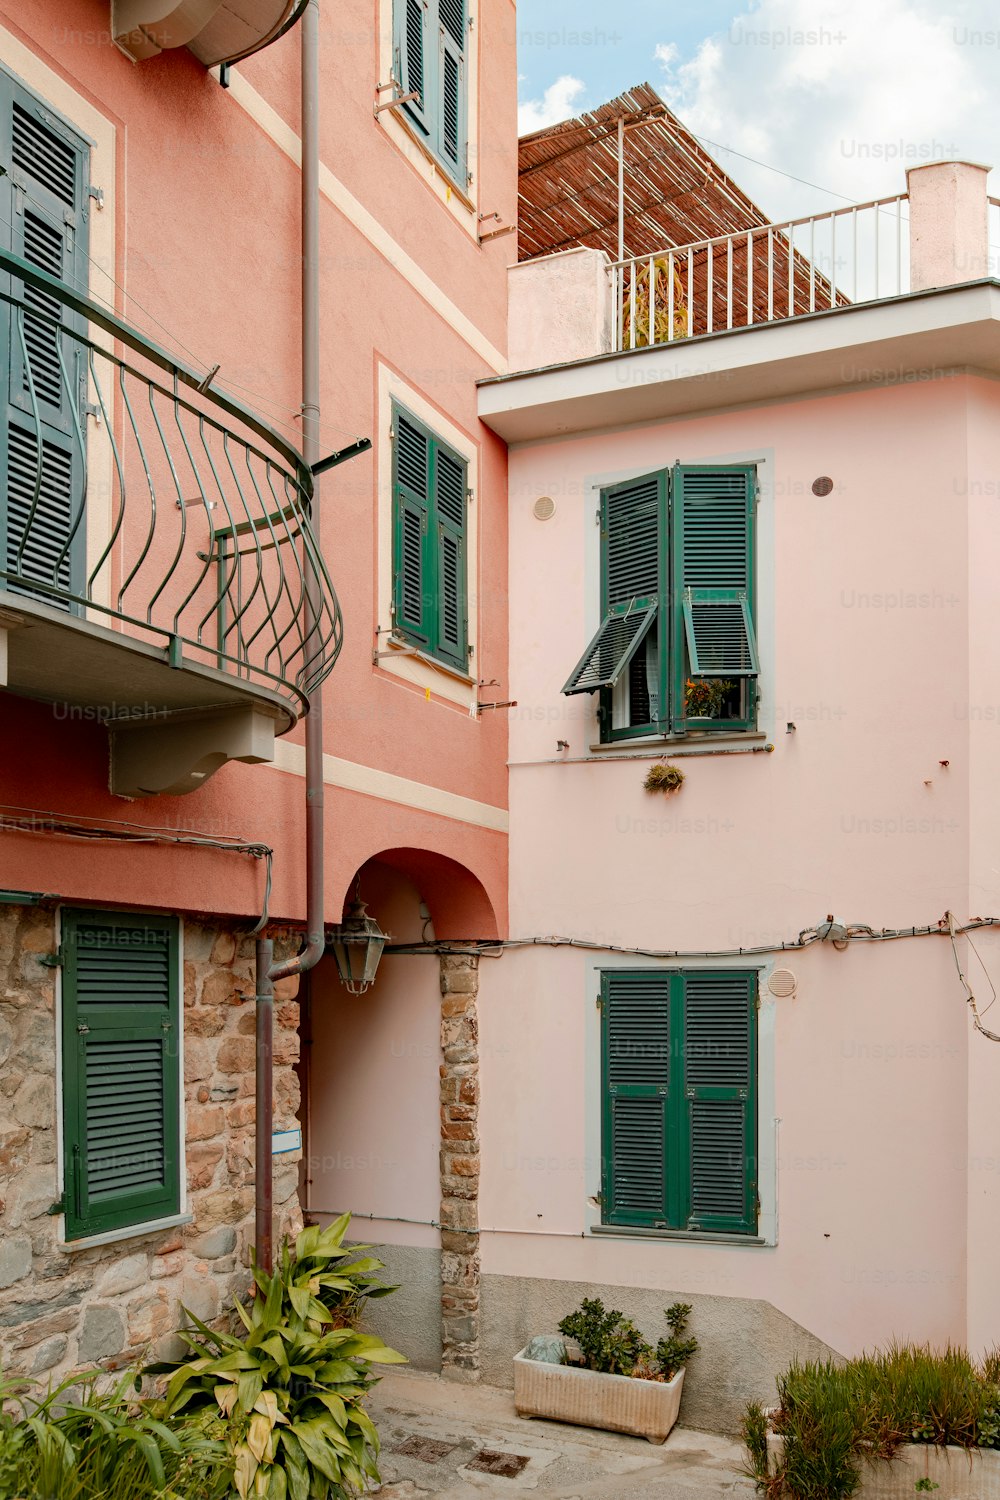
(135, 496)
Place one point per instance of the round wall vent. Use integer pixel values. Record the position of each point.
(544, 508)
(823, 485)
(782, 983)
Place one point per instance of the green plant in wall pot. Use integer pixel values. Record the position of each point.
(663, 779)
(290, 1384)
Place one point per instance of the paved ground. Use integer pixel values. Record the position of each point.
(440, 1438)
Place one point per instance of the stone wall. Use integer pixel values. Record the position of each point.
(111, 1304)
(459, 1167)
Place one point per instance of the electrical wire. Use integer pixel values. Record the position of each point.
(567, 1234)
(82, 826)
(857, 933)
(990, 1036)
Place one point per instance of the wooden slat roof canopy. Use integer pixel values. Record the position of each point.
(675, 194)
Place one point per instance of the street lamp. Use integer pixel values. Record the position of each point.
(357, 944)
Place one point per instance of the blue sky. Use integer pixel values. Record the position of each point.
(609, 47)
(841, 96)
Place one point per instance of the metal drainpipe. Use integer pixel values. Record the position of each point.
(267, 971)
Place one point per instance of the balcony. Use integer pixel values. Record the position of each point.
(872, 292)
(159, 572)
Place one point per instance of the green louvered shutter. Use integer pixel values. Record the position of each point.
(712, 543)
(636, 1048)
(720, 1066)
(414, 562)
(450, 481)
(630, 581)
(453, 120)
(44, 207)
(415, 58)
(121, 1070)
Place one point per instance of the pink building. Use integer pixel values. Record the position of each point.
(764, 555)
(172, 585)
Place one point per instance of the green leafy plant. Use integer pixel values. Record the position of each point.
(290, 1384)
(77, 1442)
(833, 1417)
(663, 778)
(673, 1352)
(611, 1344)
(704, 696)
(925, 1485)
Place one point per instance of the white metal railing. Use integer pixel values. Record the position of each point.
(993, 237)
(761, 275)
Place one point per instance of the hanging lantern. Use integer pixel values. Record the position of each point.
(357, 944)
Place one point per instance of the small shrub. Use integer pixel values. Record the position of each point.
(673, 1352)
(753, 1430)
(80, 1443)
(289, 1387)
(611, 1344)
(663, 778)
(833, 1417)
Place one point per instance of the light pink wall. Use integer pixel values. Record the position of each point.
(867, 599)
(373, 1087)
(976, 705)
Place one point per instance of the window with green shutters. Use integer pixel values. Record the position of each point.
(44, 207)
(431, 63)
(430, 516)
(679, 1083)
(676, 648)
(121, 1069)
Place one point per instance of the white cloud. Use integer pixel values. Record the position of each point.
(844, 93)
(557, 103)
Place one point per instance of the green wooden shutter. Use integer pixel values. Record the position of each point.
(415, 59)
(414, 564)
(635, 1050)
(712, 544)
(450, 482)
(121, 1069)
(630, 581)
(720, 1066)
(453, 119)
(612, 648)
(44, 209)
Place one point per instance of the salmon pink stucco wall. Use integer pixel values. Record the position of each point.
(207, 262)
(878, 1131)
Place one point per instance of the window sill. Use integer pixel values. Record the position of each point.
(694, 741)
(400, 649)
(398, 113)
(688, 1236)
(130, 1232)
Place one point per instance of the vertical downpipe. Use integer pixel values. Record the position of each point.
(263, 1158)
(267, 971)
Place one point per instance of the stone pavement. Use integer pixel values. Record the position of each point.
(443, 1438)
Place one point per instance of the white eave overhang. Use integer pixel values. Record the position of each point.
(921, 336)
(216, 31)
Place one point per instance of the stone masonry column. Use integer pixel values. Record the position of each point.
(459, 1167)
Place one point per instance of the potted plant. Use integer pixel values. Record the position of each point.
(704, 696)
(603, 1373)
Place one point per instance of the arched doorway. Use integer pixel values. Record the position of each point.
(390, 1085)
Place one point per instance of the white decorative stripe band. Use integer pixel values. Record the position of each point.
(379, 238)
(353, 777)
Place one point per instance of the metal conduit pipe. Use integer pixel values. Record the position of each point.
(267, 971)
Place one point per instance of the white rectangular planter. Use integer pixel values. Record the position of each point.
(564, 1393)
(955, 1473)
